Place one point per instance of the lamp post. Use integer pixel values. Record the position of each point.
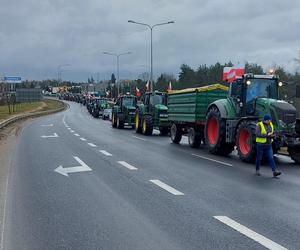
(118, 66)
(151, 27)
(59, 67)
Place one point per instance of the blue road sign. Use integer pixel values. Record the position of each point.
(12, 79)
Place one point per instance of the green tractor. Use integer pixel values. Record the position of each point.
(232, 122)
(152, 113)
(123, 112)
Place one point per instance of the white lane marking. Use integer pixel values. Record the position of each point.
(83, 139)
(166, 187)
(47, 125)
(127, 165)
(72, 131)
(69, 128)
(209, 159)
(105, 152)
(76, 134)
(50, 136)
(92, 144)
(250, 233)
(142, 139)
(65, 171)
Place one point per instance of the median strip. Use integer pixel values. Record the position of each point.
(166, 187)
(250, 233)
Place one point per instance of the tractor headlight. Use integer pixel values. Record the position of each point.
(131, 113)
(280, 84)
(163, 115)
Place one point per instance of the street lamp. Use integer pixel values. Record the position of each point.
(118, 72)
(151, 31)
(59, 70)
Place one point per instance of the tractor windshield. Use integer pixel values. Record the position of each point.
(259, 88)
(159, 99)
(129, 101)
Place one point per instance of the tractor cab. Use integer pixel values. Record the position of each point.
(155, 102)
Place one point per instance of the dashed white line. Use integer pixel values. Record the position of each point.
(83, 139)
(105, 152)
(76, 134)
(250, 233)
(69, 128)
(166, 187)
(127, 165)
(209, 159)
(72, 131)
(142, 139)
(92, 144)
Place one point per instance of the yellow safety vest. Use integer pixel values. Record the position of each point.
(264, 132)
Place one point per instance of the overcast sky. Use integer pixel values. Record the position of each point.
(38, 35)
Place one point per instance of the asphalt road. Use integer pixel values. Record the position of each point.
(119, 190)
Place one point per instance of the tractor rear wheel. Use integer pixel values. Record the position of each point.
(245, 141)
(114, 121)
(194, 138)
(147, 128)
(294, 153)
(215, 133)
(138, 127)
(176, 133)
(120, 121)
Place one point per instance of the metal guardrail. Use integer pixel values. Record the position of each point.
(37, 114)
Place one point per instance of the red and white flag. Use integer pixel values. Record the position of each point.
(148, 86)
(107, 93)
(138, 92)
(170, 86)
(231, 73)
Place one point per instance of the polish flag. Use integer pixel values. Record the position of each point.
(231, 73)
(107, 93)
(148, 86)
(170, 86)
(138, 92)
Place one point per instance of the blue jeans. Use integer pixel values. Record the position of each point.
(265, 150)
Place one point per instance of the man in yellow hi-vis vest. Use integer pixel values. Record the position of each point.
(264, 139)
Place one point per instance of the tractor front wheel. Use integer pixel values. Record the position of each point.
(138, 127)
(245, 141)
(215, 133)
(120, 121)
(294, 153)
(147, 128)
(114, 121)
(176, 133)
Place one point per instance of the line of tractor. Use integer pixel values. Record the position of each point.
(221, 117)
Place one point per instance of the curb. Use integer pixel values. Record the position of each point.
(26, 116)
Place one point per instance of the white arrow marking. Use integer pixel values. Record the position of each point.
(65, 171)
(47, 125)
(50, 136)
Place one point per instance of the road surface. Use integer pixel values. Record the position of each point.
(77, 183)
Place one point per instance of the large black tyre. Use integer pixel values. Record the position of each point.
(194, 138)
(120, 121)
(114, 120)
(138, 122)
(164, 130)
(95, 113)
(215, 133)
(294, 153)
(176, 133)
(147, 128)
(245, 141)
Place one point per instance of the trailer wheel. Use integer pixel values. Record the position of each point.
(245, 141)
(147, 128)
(294, 153)
(138, 128)
(120, 121)
(194, 138)
(215, 133)
(176, 133)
